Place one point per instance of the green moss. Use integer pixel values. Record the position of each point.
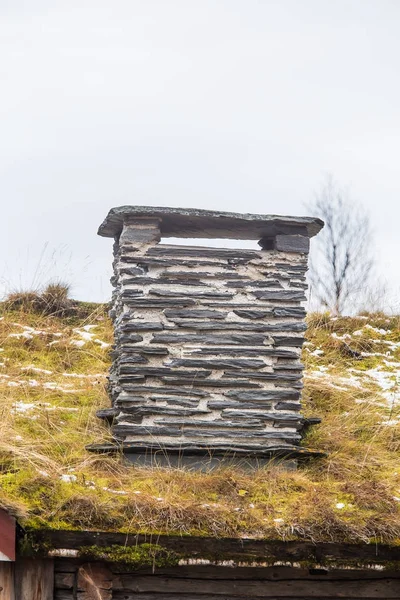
(141, 555)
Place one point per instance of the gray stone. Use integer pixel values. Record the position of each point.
(132, 358)
(292, 243)
(288, 406)
(194, 314)
(277, 379)
(212, 363)
(205, 294)
(288, 341)
(147, 302)
(279, 295)
(161, 281)
(208, 339)
(272, 283)
(146, 350)
(260, 327)
(162, 410)
(232, 404)
(237, 434)
(200, 251)
(140, 326)
(193, 222)
(253, 314)
(144, 431)
(132, 338)
(236, 352)
(165, 390)
(161, 371)
(217, 383)
(250, 424)
(263, 395)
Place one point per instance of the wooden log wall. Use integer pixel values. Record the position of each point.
(207, 344)
(101, 581)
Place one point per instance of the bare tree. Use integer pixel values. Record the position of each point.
(341, 260)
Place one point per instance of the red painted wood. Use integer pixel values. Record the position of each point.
(7, 536)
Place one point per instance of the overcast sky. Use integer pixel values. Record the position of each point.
(238, 105)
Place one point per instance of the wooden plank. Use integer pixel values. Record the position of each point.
(277, 573)
(230, 548)
(94, 582)
(34, 579)
(383, 588)
(7, 581)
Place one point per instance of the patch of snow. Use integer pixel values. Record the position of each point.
(317, 352)
(380, 331)
(68, 478)
(101, 343)
(22, 407)
(340, 505)
(78, 343)
(36, 369)
(345, 336)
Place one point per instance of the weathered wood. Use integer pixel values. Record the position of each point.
(7, 537)
(94, 582)
(64, 581)
(230, 548)
(382, 588)
(34, 579)
(7, 581)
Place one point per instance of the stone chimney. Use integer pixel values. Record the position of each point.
(206, 363)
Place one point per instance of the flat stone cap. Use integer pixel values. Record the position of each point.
(198, 223)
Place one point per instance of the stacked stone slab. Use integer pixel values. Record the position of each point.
(207, 340)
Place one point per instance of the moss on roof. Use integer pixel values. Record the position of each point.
(52, 380)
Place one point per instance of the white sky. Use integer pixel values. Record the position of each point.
(238, 105)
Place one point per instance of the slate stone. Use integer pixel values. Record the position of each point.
(237, 434)
(284, 366)
(197, 275)
(243, 414)
(235, 352)
(205, 294)
(297, 267)
(288, 406)
(212, 363)
(140, 326)
(146, 350)
(279, 295)
(127, 293)
(218, 383)
(225, 404)
(174, 262)
(272, 283)
(194, 223)
(163, 410)
(146, 302)
(292, 243)
(133, 271)
(298, 284)
(208, 339)
(253, 314)
(176, 401)
(162, 281)
(194, 314)
(263, 395)
(132, 358)
(199, 251)
(132, 338)
(161, 371)
(277, 379)
(258, 327)
(208, 424)
(120, 431)
(297, 342)
(151, 389)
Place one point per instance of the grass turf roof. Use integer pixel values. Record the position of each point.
(52, 378)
